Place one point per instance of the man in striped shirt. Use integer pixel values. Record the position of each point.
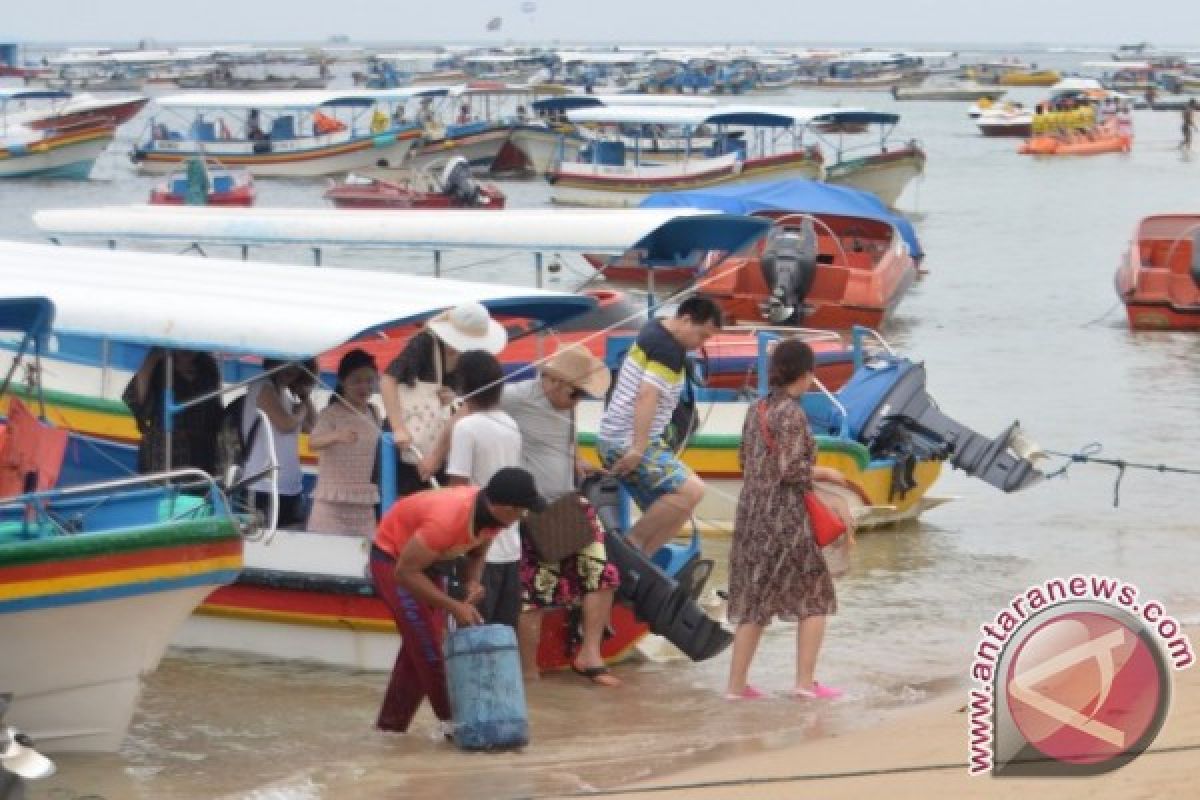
(630, 439)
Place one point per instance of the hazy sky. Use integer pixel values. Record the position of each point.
(1010, 21)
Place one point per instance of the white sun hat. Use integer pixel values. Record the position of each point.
(469, 327)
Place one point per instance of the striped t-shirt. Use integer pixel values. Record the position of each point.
(657, 358)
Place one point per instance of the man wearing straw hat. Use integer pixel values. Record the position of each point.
(544, 410)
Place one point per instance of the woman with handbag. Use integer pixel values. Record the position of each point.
(418, 387)
(776, 568)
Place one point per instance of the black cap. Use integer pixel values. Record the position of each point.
(513, 486)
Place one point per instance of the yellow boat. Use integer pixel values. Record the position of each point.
(1021, 77)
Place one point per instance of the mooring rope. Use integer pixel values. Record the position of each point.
(1088, 454)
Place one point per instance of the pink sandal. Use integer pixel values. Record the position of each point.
(817, 692)
(749, 693)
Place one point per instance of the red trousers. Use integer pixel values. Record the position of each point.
(419, 671)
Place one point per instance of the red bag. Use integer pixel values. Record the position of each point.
(826, 526)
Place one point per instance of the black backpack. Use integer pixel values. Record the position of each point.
(232, 447)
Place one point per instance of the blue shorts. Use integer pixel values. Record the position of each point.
(660, 472)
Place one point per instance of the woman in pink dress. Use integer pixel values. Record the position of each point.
(345, 439)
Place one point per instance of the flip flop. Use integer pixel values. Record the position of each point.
(601, 676)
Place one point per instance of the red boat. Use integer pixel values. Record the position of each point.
(729, 360)
(89, 109)
(1159, 278)
(226, 187)
(858, 270)
(454, 188)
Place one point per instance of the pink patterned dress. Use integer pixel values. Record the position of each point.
(344, 500)
(775, 566)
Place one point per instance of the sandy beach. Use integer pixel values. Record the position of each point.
(921, 753)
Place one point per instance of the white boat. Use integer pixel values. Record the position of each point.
(615, 177)
(283, 133)
(951, 92)
(29, 149)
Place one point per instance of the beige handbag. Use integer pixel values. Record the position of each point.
(423, 413)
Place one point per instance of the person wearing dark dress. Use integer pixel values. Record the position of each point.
(194, 429)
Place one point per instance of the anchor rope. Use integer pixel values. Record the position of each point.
(1089, 454)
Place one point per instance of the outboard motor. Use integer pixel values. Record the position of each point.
(457, 182)
(906, 413)
(666, 604)
(789, 266)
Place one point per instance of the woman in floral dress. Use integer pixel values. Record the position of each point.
(775, 566)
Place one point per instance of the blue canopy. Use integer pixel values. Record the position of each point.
(789, 195)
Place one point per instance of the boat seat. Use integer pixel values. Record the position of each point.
(283, 128)
(222, 183)
(204, 131)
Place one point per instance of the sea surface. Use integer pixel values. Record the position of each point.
(1016, 319)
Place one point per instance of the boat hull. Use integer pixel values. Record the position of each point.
(885, 175)
(543, 149)
(93, 613)
(625, 187)
(331, 155)
(68, 156)
(479, 149)
(1156, 280)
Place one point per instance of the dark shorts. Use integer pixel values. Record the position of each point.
(501, 603)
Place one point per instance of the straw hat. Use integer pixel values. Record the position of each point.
(576, 366)
(469, 327)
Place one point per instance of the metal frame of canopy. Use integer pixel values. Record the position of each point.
(541, 231)
(230, 307)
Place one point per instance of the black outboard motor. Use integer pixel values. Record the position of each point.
(668, 606)
(457, 183)
(789, 266)
(907, 406)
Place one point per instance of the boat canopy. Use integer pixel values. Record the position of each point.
(797, 196)
(294, 99)
(28, 315)
(8, 93)
(557, 230)
(568, 102)
(240, 308)
(766, 116)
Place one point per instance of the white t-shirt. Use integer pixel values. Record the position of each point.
(481, 444)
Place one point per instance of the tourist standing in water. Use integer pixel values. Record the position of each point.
(1189, 124)
(776, 568)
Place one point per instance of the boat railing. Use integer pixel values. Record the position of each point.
(859, 336)
(35, 506)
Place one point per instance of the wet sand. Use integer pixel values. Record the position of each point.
(921, 753)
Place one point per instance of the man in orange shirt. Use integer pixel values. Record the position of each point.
(418, 531)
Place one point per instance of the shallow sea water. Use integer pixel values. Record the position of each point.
(1015, 319)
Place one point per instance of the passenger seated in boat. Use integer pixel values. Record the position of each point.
(194, 429)
(345, 438)
(544, 411)
(464, 114)
(254, 131)
(283, 394)
(398, 118)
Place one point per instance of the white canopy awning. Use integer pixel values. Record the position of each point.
(297, 99)
(716, 115)
(274, 310)
(541, 230)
